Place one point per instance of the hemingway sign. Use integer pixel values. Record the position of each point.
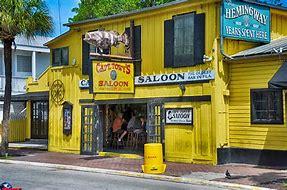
(245, 21)
(113, 77)
(179, 116)
(175, 78)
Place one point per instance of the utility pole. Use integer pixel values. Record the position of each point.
(59, 11)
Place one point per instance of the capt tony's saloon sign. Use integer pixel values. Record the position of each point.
(245, 21)
(181, 116)
(113, 77)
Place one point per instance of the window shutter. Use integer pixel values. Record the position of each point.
(137, 50)
(65, 56)
(56, 57)
(168, 43)
(85, 57)
(199, 38)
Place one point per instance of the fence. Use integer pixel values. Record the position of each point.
(17, 130)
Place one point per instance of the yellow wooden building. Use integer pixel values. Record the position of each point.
(202, 75)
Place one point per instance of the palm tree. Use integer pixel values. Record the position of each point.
(18, 17)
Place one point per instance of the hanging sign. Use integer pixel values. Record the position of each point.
(113, 77)
(182, 116)
(245, 21)
(175, 78)
(67, 118)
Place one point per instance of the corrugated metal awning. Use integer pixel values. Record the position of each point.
(275, 47)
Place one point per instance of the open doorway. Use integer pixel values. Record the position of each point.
(124, 128)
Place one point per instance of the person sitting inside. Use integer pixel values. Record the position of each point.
(127, 126)
(140, 125)
(117, 124)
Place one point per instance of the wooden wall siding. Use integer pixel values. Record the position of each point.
(152, 28)
(17, 130)
(243, 134)
(191, 143)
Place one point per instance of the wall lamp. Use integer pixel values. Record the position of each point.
(182, 88)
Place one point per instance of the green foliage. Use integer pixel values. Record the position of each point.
(24, 17)
(89, 9)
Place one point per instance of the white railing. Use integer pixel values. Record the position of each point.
(18, 84)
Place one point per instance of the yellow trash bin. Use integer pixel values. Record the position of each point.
(153, 160)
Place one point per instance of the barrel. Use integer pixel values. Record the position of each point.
(153, 159)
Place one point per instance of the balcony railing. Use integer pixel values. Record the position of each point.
(18, 85)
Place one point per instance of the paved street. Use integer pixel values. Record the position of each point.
(38, 178)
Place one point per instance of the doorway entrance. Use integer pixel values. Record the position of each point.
(121, 128)
(39, 120)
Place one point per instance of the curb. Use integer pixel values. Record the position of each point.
(138, 175)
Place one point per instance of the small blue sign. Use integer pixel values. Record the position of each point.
(245, 21)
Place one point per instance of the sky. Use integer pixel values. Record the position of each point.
(66, 13)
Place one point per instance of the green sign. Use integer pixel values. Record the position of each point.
(245, 21)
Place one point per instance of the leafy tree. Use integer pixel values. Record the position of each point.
(88, 9)
(18, 17)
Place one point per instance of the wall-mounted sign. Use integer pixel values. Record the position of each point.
(175, 78)
(84, 84)
(113, 77)
(67, 118)
(245, 21)
(183, 116)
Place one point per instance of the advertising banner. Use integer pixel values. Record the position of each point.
(245, 21)
(175, 78)
(183, 116)
(113, 77)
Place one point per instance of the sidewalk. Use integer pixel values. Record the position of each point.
(274, 178)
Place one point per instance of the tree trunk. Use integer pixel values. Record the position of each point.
(7, 96)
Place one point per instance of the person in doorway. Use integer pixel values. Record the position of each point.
(140, 126)
(128, 126)
(117, 124)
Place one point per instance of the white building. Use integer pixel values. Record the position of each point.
(30, 58)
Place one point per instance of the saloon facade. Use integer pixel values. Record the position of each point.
(204, 98)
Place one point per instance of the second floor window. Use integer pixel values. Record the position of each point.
(184, 40)
(60, 56)
(24, 64)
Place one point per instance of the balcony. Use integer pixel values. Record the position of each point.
(18, 85)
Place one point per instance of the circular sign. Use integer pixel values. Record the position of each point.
(113, 75)
(57, 91)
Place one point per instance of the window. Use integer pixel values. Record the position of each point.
(24, 64)
(60, 56)
(266, 106)
(1, 64)
(184, 42)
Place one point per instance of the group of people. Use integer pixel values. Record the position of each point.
(129, 121)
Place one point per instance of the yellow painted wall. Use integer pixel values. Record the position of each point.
(246, 75)
(152, 27)
(17, 130)
(191, 143)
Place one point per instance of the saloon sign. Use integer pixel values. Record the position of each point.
(179, 116)
(113, 77)
(172, 78)
(245, 21)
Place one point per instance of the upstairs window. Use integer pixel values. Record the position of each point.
(184, 40)
(24, 64)
(60, 56)
(266, 106)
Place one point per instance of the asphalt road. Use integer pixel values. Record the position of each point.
(38, 178)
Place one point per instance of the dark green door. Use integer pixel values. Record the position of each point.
(39, 120)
